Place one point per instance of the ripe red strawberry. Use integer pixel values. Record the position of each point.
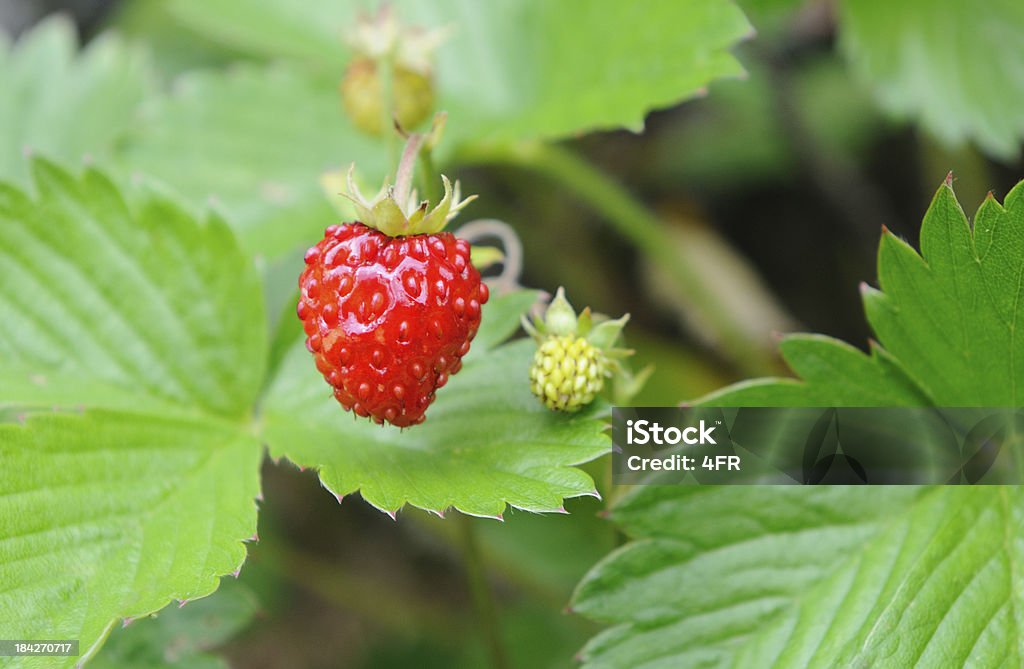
(389, 316)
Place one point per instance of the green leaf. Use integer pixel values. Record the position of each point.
(112, 515)
(953, 66)
(181, 637)
(950, 315)
(254, 142)
(64, 104)
(810, 577)
(144, 330)
(109, 307)
(946, 320)
(487, 441)
(495, 74)
(847, 576)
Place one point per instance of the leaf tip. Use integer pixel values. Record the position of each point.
(948, 183)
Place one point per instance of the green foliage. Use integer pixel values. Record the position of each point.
(739, 134)
(143, 330)
(140, 489)
(486, 442)
(181, 636)
(514, 70)
(846, 576)
(954, 66)
(254, 140)
(138, 387)
(946, 320)
(139, 309)
(64, 104)
(810, 577)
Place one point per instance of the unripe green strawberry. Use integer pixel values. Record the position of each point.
(390, 77)
(412, 96)
(567, 373)
(575, 354)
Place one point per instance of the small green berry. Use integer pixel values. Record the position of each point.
(575, 353)
(361, 92)
(390, 77)
(567, 373)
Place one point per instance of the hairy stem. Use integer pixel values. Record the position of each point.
(483, 598)
(640, 226)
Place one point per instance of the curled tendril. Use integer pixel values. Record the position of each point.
(512, 262)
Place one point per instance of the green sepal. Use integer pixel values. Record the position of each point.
(560, 318)
(395, 210)
(605, 333)
(584, 322)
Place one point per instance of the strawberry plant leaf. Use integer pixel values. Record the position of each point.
(253, 141)
(120, 513)
(487, 442)
(65, 104)
(131, 352)
(710, 567)
(153, 308)
(914, 56)
(181, 637)
(846, 576)
(494, 74)
(810, 577)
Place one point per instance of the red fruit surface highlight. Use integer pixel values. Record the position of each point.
(388, 319)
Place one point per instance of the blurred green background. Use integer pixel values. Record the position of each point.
(773, 187)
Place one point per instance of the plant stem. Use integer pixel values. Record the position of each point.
(638, 224)
(483, 599)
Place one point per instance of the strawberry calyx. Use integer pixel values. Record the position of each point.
(396, 209)
(560, 319)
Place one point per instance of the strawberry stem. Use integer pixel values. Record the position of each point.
(406, 168)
